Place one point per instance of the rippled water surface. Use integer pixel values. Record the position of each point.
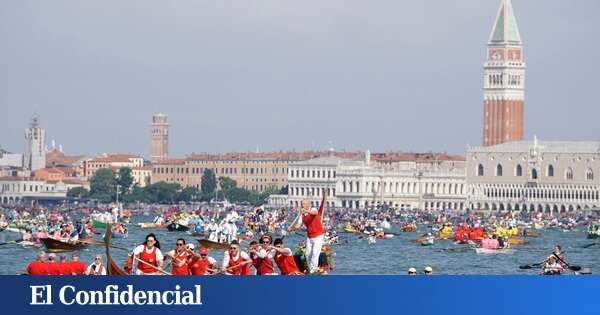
(354, 256)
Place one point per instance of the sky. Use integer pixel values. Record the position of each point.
(286, 74)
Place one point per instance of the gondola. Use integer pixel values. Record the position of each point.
(56, 246)
(113, 268)
(213, 245)
(176, 227)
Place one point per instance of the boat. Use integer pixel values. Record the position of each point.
(149, 225)
(593, 231)
(445, 233)
(517, 241)
(408, 228)
(112, 267)
(488, 251)
(27, 244)
(348, 228)
(176, 227)
(213, 245)
(56, 246)
(98, 224)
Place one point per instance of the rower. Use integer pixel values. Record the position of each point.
(180, 257)
(315, 233)
(557, 251)
(96, 268)
(235, 261)
(149, 256)
(412, 271)
(284, 258)
(64, 266)
(38, 267)
(52, 265)
(552, 266)
(201, 264)
(261, 256)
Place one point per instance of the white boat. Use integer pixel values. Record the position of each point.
(488, 251)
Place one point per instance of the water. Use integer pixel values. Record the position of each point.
(356, 256)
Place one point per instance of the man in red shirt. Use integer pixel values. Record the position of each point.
(77, 267)
(202, 264)
(64, 266)
(315, 233)
(53, 266)
(38, 267)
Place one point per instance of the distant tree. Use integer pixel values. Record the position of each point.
(124, 179)
(137, 193)
(103, 185)
(227, 183)
(78, 192)
(188, 194)
(208, 183)
(163, 192)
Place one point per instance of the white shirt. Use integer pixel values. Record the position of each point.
(90, 270)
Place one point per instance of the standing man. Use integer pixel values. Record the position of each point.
(315, 234)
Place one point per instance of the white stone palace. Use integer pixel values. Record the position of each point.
(541, 176)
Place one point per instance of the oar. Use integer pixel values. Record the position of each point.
(151, 265)
(531, 266)
(571, 267)
(590, 245)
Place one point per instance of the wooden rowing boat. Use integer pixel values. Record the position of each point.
(56, 246)
(177, 227)
(113, 268)
(213, 245)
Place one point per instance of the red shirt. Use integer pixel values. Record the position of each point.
(198, 266)
(286, 264)
(37, 268)
(66, 268)
(53, 268)
(78, 268)
(314, 228)
(149, 258)
(263, 266)
(183, 270)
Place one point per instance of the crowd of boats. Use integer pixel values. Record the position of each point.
(67, 230)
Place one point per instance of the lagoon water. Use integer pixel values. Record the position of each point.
(354, 256)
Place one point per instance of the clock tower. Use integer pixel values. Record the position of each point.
(504, 81)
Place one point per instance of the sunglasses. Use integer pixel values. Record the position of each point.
(180, 244)
(97, 258)
(150, 240)
(203, 255)
(230, 248)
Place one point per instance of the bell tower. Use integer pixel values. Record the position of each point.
(504, 81)
(159, 138)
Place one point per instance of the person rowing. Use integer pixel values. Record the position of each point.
(284, 258)
(148, 256)
(552, 266)
(315, 233)
(557, 255)
(38, 267)
(261, 255)
(180, 257)
(201, 264)
(235, 261)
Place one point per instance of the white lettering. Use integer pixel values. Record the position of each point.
(61, 294)
(35, 294)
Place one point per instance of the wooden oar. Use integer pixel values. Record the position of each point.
(536, 265)
(151, 265)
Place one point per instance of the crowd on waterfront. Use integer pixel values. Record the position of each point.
(255, 237)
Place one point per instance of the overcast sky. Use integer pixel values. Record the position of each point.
(286, 74)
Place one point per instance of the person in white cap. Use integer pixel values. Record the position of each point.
(428, 271)
(412, 271)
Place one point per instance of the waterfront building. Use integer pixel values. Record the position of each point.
(534, 176)
(8, 159)
(21, 190)
(35, 151)
(159, 138)
(141, 175)
(504, 81)
(112, 161)
(397, 180)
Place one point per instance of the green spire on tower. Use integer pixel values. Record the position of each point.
(505, 29)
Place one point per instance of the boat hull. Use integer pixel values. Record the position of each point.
(56, 246)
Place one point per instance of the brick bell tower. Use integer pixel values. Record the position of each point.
(504, 81)
(159, 138)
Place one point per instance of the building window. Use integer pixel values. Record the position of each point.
(569, 174)
(550, 172)
(498, 170)
(519, 170)
(480, 170)
(534, 174)
(589, 175)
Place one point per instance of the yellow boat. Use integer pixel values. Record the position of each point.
(517, 241)
(349, 229)
(510, 232)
